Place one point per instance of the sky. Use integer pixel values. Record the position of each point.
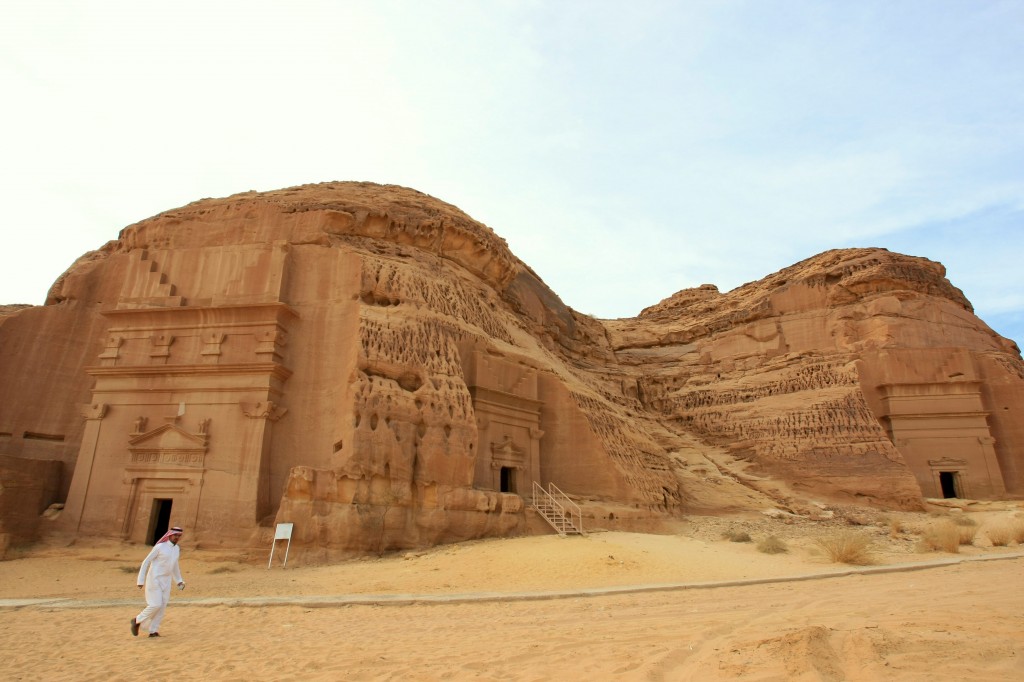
(625, 150)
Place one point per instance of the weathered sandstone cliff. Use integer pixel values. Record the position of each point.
(377, 368)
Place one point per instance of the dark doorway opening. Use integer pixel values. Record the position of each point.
(949, 483)
(508, 480)
(159, 520)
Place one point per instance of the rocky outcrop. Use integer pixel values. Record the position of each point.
(377, 368)
(858, 373)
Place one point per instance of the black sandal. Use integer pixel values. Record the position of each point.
(154, 634)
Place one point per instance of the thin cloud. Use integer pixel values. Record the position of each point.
(624, 151)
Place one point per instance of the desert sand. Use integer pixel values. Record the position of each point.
(609, 605)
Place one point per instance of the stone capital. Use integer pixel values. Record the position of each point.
(263, 409)
(95, 410)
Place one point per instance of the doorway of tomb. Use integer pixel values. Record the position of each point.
(159, 519)
(508, 480)
(949, 482)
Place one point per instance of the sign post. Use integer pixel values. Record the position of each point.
(283, 532)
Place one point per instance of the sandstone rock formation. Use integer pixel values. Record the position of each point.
(374, 366)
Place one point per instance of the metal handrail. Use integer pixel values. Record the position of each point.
(575, 513)
(568, 510)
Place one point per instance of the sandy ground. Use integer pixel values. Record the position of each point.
(471, 611)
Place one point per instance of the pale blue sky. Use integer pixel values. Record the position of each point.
(625, 150)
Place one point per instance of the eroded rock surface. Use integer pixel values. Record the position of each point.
(376, 367)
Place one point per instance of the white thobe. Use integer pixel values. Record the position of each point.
(158, 570)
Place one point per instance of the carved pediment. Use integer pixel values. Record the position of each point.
(168, 437)
(948, 463)
(507, 452)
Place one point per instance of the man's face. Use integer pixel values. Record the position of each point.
(174, 538)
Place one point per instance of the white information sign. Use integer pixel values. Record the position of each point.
(283, 532)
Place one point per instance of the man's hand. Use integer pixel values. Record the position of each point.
(181, 585)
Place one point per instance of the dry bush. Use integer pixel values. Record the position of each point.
(999, 534)
(1017, 531)
(964, 521)
(967, 534)
(848, 548)
(772, 545)
(895, 526)
(737, 536)
(940, 537)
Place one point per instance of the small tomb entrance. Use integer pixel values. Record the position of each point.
(159, 519)
(508, 480)
(949, 481)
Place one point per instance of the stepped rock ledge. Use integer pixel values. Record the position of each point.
(377, 368)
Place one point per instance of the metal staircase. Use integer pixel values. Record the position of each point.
(563, 514)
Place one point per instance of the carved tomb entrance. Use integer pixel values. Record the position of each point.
(159, 519)
(942, 430)
(166, 472)
(949, 484)
(508, 421)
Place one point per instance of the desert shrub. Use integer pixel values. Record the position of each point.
(895, 526)
(772, 545)
(737, 536)
(967, 534)
(963, 521)
(999, 534)
(1017, 531)
(848, 548)
(940, 537)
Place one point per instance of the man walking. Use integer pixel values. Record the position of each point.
(157, 570)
